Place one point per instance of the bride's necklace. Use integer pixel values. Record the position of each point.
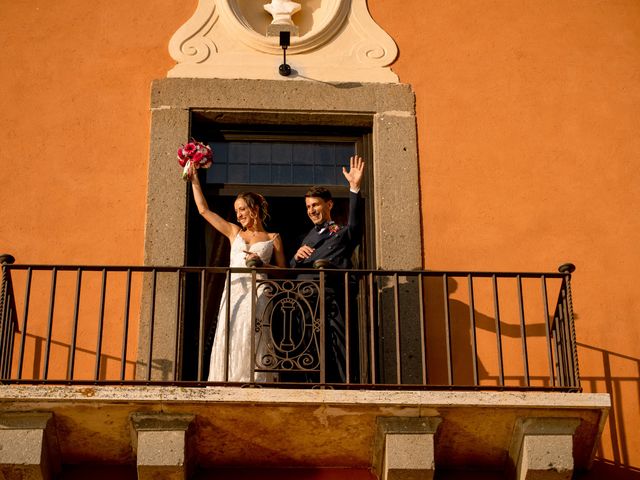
(250, 235)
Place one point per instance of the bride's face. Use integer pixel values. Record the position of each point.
(243, 213)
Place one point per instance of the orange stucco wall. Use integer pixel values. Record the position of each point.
(528, 117)
(74, 123)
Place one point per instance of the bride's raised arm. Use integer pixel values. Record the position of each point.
(228, 229)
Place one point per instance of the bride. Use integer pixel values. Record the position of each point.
(249, 241)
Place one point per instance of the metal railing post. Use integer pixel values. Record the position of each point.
(7, 317)
(568, 269)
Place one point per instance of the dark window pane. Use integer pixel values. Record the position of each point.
(343, 152)
(281, 153)
(260, 174)
(324, 154)
(260, 152)
(302, 175)
(281, 174)
(239, 152)
(220, 152)
(303, 153)
(324, 175)
(238, 174)
(217, 174)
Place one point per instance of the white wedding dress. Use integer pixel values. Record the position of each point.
(239, 360)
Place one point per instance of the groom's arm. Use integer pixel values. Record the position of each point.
(355, 216)
(354, 177)
(304, 252)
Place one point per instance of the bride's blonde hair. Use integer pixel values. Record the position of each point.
(256, 201)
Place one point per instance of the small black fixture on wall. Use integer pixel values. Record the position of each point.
(285, 41)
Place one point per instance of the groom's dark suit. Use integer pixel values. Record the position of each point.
(335, 244)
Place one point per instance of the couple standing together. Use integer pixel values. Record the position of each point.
(250, 241)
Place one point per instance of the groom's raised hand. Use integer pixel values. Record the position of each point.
(354, 175)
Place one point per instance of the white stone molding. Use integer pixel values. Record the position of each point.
(338, 41)
(380, 50)
(191, 44)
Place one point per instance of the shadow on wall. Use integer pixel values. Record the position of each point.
(57, 358)
(495, 354)
(625, 392)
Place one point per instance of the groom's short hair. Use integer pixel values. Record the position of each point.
(319, 192)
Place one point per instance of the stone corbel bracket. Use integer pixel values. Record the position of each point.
(340, 43)
(542, 448)
(163, 445)
(28, 446)
(405, 448)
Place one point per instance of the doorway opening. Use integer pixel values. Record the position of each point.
(280, 162)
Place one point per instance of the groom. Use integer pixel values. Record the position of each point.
(330, 245)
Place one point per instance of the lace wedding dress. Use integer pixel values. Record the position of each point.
(239, 359)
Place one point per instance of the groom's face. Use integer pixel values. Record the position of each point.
(318, 210)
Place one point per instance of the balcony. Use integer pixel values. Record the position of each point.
(475, 365)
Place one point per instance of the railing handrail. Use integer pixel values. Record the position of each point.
(192, 268)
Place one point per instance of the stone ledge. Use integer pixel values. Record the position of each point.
(54, 393)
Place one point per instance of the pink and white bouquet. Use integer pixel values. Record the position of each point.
(194, 153)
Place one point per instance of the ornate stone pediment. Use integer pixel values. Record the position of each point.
(337, 41)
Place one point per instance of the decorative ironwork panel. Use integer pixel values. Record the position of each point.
(288, 327)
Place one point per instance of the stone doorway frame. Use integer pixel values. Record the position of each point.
(388, 108)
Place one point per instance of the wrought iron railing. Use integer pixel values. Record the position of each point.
(347, 328)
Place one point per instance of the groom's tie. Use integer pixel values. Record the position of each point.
(320, 228)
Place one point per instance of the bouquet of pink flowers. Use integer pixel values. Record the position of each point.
(194, 153)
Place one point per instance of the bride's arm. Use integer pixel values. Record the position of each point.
(278, 252)
(228, 229)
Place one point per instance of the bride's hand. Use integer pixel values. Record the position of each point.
(193, 174)
(250, 255)
(252, 259)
